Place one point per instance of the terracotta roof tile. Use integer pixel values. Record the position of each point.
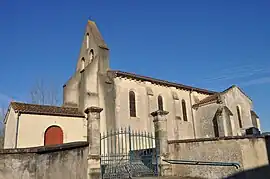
(45, 109)
(208, 99)
(215, 96)
(161, 82)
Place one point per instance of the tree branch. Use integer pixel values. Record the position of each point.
(44, 94)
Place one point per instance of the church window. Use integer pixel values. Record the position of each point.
(160, 103)
(239, 117)
(53, 136)
(82, 63)
(184, 110)
(132, 104)
(87, 41)
(91, 55)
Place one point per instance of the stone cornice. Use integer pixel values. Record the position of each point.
(93, 109)
(159, 113)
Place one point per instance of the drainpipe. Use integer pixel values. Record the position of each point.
(17, 129)
(192, 115)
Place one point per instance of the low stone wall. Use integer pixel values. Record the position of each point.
(67, 161)
(249, 152)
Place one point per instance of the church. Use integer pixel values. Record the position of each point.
(127, 100)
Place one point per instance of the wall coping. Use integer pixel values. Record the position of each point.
(93, 109)
(159, 112)
(216, 139)
(45, 149)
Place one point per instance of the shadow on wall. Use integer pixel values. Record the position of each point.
(262, 172)
(67, 161)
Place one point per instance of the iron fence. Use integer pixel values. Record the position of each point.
(126, 153)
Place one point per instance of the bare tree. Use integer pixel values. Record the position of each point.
(44, 94)
(2, 117)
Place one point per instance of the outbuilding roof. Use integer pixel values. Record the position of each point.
(45, 109)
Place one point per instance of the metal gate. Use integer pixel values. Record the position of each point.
(127, 153)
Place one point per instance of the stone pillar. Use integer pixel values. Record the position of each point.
(93, 137)
(161, 141)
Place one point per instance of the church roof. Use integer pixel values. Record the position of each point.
(207, 100)
(216, 96)
(117, 73)
(45, 110)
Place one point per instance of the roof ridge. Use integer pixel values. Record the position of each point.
(208, 99)
(164, 82)
(28, 108)
(235, 86)
(46, 105)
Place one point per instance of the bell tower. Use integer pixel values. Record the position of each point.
(93, 47)
(83, 88)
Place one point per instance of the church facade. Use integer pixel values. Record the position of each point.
(129, 99)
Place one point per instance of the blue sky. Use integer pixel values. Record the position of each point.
(209, 44)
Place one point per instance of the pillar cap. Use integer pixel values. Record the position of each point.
(93, 109)
(159, 113)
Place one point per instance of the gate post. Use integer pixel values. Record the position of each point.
(161, 141)
(93, 137)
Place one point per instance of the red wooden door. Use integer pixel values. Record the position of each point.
(53, 136)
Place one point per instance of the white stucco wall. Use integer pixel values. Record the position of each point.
(145, 104)
(233, 98)
(32, 129)
(10, 129)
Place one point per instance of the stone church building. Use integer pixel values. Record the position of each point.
(127, 99)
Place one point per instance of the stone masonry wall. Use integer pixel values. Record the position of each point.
(67, 161)
(249, 152)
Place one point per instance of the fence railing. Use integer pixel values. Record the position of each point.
(124, 140)
(125, 148)
(192, 162)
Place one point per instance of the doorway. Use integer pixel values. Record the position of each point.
(53, 136)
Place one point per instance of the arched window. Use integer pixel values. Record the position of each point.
(82, 63)
(160, 103)
(239, 117)
(91, 54)
(53, 136)
(87, 41)
(132, 104)
(184, 110)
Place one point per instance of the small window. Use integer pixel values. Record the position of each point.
(239, 117)
(87, 41)
(82, 63)
(160, 103)
(91, 54)
(132, 104)
(184, 110)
